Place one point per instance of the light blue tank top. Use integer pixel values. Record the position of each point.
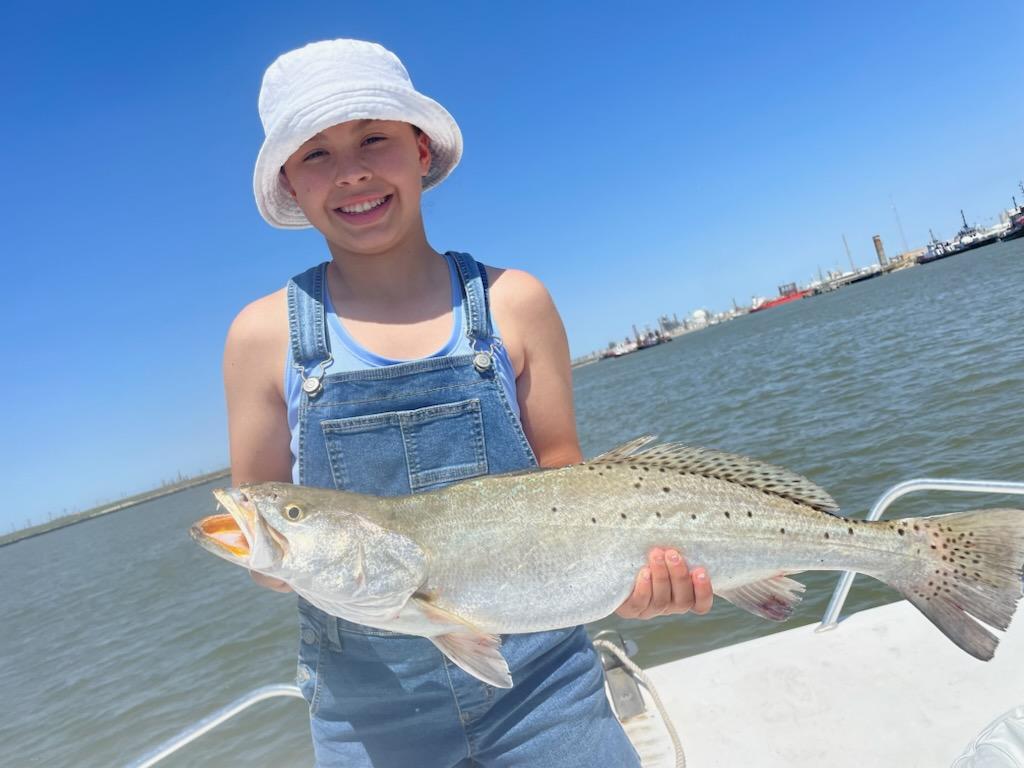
(350, 355)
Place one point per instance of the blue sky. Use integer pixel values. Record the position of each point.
(641, 162)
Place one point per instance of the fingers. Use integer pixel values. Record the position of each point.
(683, 587)
(661, 585)
(667, 586)
(269, 582)
(703, 595)
(638, 601)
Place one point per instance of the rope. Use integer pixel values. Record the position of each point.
(641, 676)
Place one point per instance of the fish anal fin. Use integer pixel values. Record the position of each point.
(773, 599)
(472, 650)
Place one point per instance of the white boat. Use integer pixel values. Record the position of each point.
(880, 689)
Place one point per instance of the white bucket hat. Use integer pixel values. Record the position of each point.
(310, 89)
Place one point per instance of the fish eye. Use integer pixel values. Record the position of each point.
(293, 512)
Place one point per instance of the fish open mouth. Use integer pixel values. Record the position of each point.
(231, 535)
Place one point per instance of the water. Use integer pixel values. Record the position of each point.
(120, 631)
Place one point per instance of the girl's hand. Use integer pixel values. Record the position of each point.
(269, 582)
(666, 586)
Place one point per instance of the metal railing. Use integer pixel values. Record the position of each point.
(210, 722)
(835, 606)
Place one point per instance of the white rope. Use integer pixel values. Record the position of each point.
(640, 675)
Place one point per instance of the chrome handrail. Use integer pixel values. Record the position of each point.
(210, 722)
(831, 617)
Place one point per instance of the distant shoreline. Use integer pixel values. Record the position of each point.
(106, 509)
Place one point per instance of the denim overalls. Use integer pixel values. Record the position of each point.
(394, 701)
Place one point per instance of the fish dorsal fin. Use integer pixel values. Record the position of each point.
(722, 466)
(624, 450)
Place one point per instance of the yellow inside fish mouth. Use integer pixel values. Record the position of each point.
(224, 531)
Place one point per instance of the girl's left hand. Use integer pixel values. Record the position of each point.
(666, 586)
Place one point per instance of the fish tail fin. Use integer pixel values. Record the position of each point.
(975, 574)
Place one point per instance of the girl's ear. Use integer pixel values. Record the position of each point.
(423, 146)
(282, 179)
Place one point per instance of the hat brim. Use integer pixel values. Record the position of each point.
(409, 106)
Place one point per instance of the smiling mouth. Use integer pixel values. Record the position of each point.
(367, 210)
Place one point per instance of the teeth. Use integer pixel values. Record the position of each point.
(362, 207)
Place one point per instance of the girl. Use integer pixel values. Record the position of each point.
(393, 368)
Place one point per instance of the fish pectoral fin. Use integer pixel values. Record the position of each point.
(478, 655)
(772, 599)
(471, 649)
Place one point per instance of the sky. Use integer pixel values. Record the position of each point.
(641, 159)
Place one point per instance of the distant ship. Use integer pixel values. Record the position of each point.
(1016, 223)
(787, 293)
(969, 238)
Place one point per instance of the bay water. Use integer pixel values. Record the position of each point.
(118, 632)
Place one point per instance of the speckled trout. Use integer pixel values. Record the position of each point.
(551, 548)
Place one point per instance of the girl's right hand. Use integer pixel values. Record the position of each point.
(270, 583)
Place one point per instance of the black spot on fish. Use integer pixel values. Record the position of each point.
(749, 513)
(554, 509)
(693, 517)
(850, 530)
(726, 514)
(623, 515)
(900, 531)
(782, 530)
(826, 534)
(666, 489)
(636, 485)
(657, 514)
(593, 519)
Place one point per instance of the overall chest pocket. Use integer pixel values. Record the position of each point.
(407, 451)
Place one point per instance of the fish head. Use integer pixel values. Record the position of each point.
(294, 533)
(242, 534)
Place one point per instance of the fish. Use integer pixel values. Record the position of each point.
(544, 549)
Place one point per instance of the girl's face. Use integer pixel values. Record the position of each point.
(359, 183)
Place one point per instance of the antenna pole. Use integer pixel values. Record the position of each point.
(903, 238)
(848, 256)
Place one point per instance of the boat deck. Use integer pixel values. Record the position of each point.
(884, 688)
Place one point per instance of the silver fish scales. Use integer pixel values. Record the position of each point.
(544, 549)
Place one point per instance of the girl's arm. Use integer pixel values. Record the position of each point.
(258, 434)
(539, 350)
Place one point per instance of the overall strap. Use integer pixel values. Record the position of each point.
(474, 284)
(307, 320)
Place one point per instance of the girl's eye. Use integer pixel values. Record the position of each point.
(315, 153)
(373, 139)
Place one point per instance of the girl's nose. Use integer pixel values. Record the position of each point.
(350, 171)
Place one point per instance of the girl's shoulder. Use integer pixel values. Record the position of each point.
(258, 339)
(262, 320)
(516, 291)
(524, 312)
